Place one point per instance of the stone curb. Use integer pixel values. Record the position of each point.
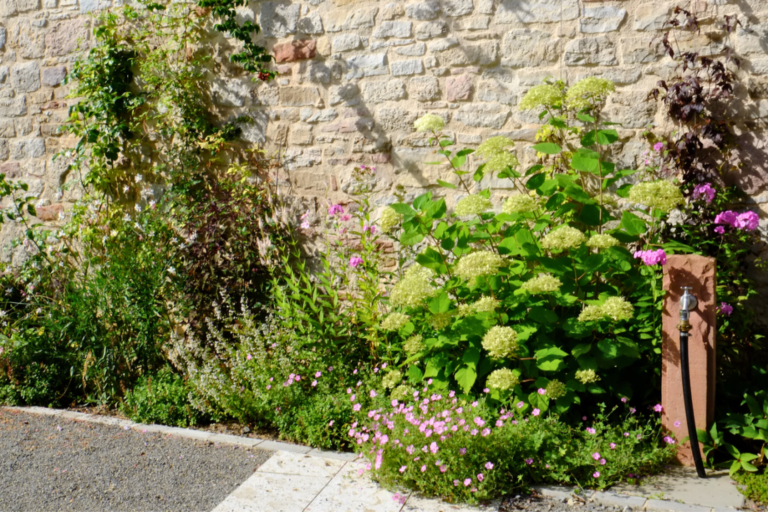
(198, 435)
(612, 499)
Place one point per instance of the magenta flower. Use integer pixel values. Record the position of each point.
(314, 383)
(669, 440)
(423, 468)
(318, 374)
(596, 474)
(719, 230)
(370, 229)
(489, 466)
(658, 147)
(249, 357)
(443, 469)
(455, 483)
(624, 399)
(355, 261)
(613, 446)
(650, 258)
(357, 407)
(335, 208)
(467, 482)
(677, 424)
(480, 477)
(536, 412)
(542, 391)
(462, 451)
(486, 432)
(520, 405)
(373, 394)
(433, 447)
(658, 408)
(602, 462)
(747, 221)
(706, 191)
(591, 430)
(596, 456)
(726, 309)
(632, 410)
(330, 423)
(345, 218)
(403, 468)
(529, 461)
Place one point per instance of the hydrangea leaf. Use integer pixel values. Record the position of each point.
(550, 359)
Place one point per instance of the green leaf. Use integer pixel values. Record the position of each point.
(577, 193)
(585, 161)
(445, 184)
(592, 263)
(466, 378)
(581, 349)
(550, 359)
(735, 467)
(623, 191)
(458, 161)
(431, 259)
(632, 224)
(542, 316)
(435, 209)
(471, 357)
(403, 209)
(548, 148)
(440, 303)
(703, 436)
(435, 364)
(415, 374)
(411, 238)
(535, 181)
(609, 348)
(606, 137)
(422, 200)
(584, 118)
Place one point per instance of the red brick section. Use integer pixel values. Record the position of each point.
(49, 213)
(294, 50)
(698, 272)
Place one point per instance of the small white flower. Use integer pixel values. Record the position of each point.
(138, 178)
(138, 208)
(126, 188)
(126, 217)
(172, 270)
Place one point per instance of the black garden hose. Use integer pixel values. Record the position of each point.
(689, 418)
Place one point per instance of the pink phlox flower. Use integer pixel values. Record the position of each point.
(650, 258)
(596, 456)
(719, 230)
(727, 217)
(370, 229)
(748, 221)
(536, 412)
(355, 261)
(489, 466)
(658, 147)
(658, 407)
(706, 191)
(726, 309)
(335, 208)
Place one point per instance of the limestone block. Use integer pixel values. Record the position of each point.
(309, 115)
(631, 109)
(294, 50)
(346, 42)
(443, 44)
(392, 11)
(347, 94)
(639, 50)
(590, 50)
(350, 125)
(21, 149)
(25, 77)
(457, 7)
(473, 23)
(52, 77)
(13, 107)
(360, 18)
(29, 40)
(431, 29)
(319, 72)
(651, 16)
(7, 129)
(371, 64)
(606, 18)
(4, 74)
(483, 54)
(297, 158)
(279, 20)
(87, 6)
(520, 47)
(423, 11)
(459, 88)
(378, 92)
(299, 96)
(311, 24)
(484, 6)
(66, 37)
(4, 151)
(229, 92)
(407, 67)
(484, 115)
(494, 91)
(3, 36)
(424, 88)
(619, 76)
(393, 29)
(27, 5)
(390, 43)
(396, 118)
(752, 40)
(413, 50)
(301, 135)
(536, 11)
(8, 8)
(255, 130)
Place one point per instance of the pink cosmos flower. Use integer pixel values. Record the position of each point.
(596, 474)
(536, 412)
(658, 408)
(726, 309)
(480, 477)
(335, 208)
(650, 258)
(658, 147)
(596, 456)
(706, 191)
(355, 261)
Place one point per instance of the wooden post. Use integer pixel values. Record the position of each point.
(698, 272)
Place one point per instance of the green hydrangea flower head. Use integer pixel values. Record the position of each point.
(429, 123)
(544, 95)
(599, 241)
(587, 376)
(661, 195)
(502, 379)
(394, 322)
(556, 389)
(479, 263)
(519, 203)
(392, 379)
(591, 314)
(617, 309)
(501, 342)
(389, 219)
(440, 321)
(542, 283)
(563, 238)
(588, 92)
(485, 305)
(501, 161)
(414, 345)
(472, 204)
(402, 392)
(493, 146)
(413, 288)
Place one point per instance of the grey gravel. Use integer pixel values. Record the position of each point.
(537, 503)
(53, 464)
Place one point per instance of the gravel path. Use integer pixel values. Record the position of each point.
(54, 464)
(537, 503)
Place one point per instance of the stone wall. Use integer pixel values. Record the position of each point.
(354, 75)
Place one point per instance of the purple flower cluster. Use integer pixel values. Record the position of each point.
(335, 209)
(657, 257)
(747, 221)
(704, 191)
(726, 308)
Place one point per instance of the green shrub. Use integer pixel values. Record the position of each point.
(755, 486)
(161, 398)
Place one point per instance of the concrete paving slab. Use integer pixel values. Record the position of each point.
(350, 492)
(289, 463)
(673, 506)
(285, 447)
(267, 492)
(333, 455)
(234, 440)
(188, 433)
(611, 499)
(556, 492)
(680, 484)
